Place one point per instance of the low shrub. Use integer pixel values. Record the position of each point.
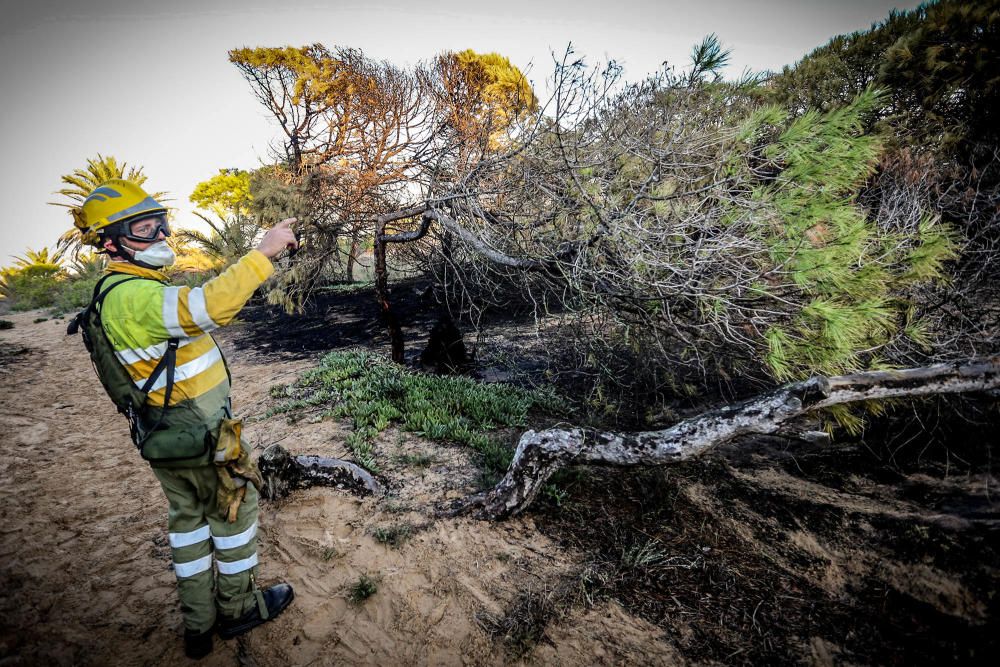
(31, 287)
(394, 535)
(72, 294)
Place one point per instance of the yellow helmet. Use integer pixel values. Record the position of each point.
(113, 202)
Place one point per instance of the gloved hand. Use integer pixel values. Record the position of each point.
(234, 467)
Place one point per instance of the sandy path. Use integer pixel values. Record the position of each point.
(85, 567)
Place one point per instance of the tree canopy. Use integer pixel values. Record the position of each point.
(682, 226)
(226, 193)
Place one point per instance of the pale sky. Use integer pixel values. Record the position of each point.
(149, 82)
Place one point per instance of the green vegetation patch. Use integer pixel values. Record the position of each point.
(42, 279)
(393, 535)
(375, 393)
(362, 589)
(852, 276)
(30, 287)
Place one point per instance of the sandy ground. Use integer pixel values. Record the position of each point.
(85, 567)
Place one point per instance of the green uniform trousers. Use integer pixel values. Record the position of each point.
(197, 529)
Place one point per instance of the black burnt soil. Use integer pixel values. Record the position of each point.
(725, 565)
(881, 548)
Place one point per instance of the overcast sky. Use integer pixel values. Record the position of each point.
(148, 81)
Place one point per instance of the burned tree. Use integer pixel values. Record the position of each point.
(358, 138)
(364, 137)
(680, 218)
(540, 454)
(678, 224)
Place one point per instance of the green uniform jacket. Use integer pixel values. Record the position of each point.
(141, 315)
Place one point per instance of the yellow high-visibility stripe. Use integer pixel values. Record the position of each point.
(188, 350)
(191, 311)
(193, 387)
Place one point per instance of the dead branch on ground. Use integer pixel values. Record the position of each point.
(540, 454)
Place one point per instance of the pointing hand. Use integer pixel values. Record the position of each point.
(278, 238)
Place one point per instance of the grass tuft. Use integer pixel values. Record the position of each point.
(523, 623)
(415, 460)
(393, 535)
(362, 589)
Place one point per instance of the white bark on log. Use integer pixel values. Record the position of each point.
(540, 454)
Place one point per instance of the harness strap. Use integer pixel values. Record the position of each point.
(167, 362)
(98, 298)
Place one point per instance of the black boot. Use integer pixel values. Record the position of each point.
(276, 598)
(197, 644)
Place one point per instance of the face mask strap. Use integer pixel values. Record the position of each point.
(129, 254)
(119, 249)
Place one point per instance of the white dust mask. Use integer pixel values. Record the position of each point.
(157, 255)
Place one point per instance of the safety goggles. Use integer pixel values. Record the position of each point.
(147, 231)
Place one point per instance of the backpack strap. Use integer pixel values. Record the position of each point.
(168, 361)
(96, 300)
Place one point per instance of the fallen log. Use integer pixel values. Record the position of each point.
(283, 473)
(539, 454)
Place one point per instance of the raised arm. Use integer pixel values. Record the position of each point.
(190, 311)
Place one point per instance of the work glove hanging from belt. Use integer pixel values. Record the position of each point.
(234, 467)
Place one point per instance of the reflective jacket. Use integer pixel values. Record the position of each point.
(141, 315)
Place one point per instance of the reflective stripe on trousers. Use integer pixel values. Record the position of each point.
(199, 534)
(222, 544)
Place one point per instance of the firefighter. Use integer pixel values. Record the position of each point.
(212, 506)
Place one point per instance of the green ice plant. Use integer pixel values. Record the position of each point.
(374, 393)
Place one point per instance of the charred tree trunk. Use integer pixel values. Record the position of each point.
(540, 454)
(382, 294)
(352, 257)
(445, 350)
(349, 269)
(382, 240)
(427, 215)
(296, 153)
